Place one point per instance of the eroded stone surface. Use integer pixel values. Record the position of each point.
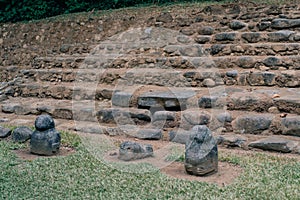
(252, 123)
(201, 152)
(132, 151)
(4, 132)
(275, 144)
(21, 134)
(45, 140)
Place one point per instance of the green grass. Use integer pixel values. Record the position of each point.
(82, 176)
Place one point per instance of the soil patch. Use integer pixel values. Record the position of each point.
(226, 174)
(25, 154)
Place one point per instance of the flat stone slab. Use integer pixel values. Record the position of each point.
(170, 100)
(275, 144)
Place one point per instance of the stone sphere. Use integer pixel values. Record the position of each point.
(44, 122)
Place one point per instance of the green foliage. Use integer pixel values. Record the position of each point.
(23, 10)
(82, 176)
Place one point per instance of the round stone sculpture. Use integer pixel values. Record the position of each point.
(45, 140)
(201, 152)
(44, 122)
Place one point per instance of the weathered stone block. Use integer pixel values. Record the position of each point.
(280, 36)
(275, 144)
(4, 132)
(179, 136)
(252, 37)
(149, 134)
(132, 151)
(201, 152)
(236, 24)
(225, 36)
(121, 99)
(206, 30)
(285, 23)
(21, 134)
(291, 125)
(252, 124)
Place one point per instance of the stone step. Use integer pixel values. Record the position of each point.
(217, 119)
(79, 110)
(241, 37)
(279, 143)
(141, 61)
(259, 99)
(168, 77)
(77, 91)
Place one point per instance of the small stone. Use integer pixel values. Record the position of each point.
(273, 110)
(263, 26)
(235, 25)
(121, 99)
(202, 39)
(224, 117)
(207, 101)
(149, 134)
(206, 30)
(272, 61)
(21, 134)
(187, 31)
(291, 125)
(297, 37)
(44, 122)
(233, 141)
(201, 152)
(165, 18)
(64, 48)
(225, 36)
(208, 82)
(251, 37)
(195, 117)
(192, 50)
(183, 39)
(275, 144)
(280, 36)
(132, 151)
(4, 132)
(233, 73)
(164, 115)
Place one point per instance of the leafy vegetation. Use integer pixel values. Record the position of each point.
(82, 176)
(21, 10)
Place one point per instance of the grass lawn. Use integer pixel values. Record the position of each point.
(82, 176)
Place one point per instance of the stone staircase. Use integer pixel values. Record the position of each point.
(234, 68)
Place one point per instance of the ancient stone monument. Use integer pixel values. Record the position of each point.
(201, 152)
(45, 140)
(132, 151)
